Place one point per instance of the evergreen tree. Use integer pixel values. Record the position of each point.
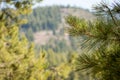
(17, 60)
(100, 42)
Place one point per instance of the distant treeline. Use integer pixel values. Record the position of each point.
(43, 18)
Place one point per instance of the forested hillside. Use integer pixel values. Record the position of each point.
(47, 27)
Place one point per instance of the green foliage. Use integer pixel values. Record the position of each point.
(17, 60)
(61, 66)
(100, 42)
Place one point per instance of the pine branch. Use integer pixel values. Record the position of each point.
(110, 13)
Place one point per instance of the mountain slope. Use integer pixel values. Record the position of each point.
(48, 25)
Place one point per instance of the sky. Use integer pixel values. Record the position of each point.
(87, 4)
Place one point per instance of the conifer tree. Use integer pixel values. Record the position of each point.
(100, 42)
(17, 60)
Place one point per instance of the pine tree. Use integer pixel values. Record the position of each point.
(17, 60)
(100, 42)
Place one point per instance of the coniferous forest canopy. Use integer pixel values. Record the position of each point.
(75, 44)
